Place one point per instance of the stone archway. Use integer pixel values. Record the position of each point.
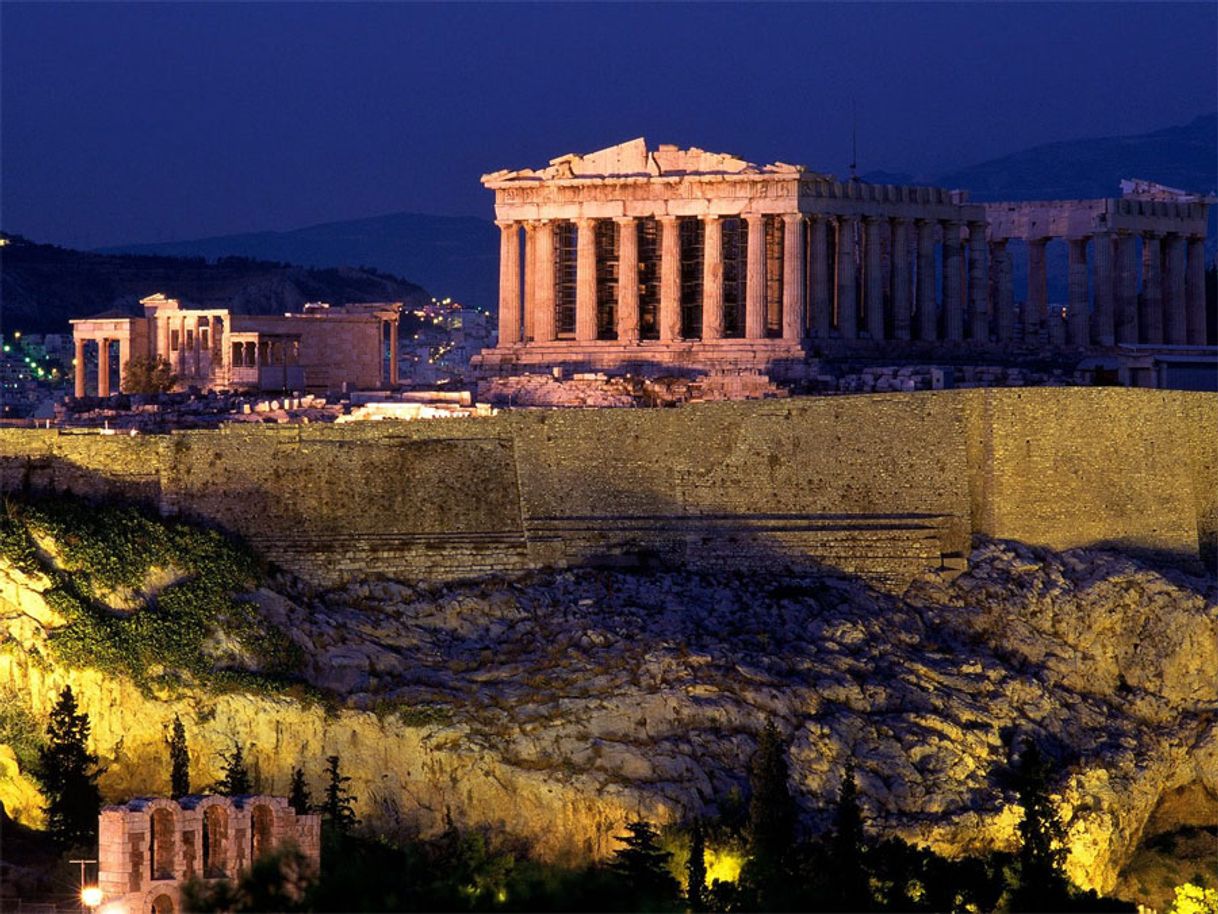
(162, 904)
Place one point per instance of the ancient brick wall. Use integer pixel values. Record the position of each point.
(882, 485)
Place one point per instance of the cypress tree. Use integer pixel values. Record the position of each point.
(69, 775)
(236, 780)
(695, 870)
(849, 846)
(298, 794)
(1042, 851)
(179, 761)
(339, 806)
(771, 809)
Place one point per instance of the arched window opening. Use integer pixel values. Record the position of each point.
(161, 846)
(215, 831)
(262, 822)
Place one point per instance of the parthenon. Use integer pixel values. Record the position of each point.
(739, 265)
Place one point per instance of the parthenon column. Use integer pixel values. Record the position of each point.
(1194, 291)
(124, 356)
(1126, 288)
(1175, 314)
(978, 284)
(1103, 323)
(793, 277)
(543, 287)
(902, 289)
(670, 279)
(712, 278)
(530, 279)
(822, 301)
(103, 367)
(1077, 317)
(847, 295)
(1004, 290)
(928, 308)
(953, 283)
(1150, 302)
(627, 280)
(80, 366)
(509, 283)
(873, 278)
(1036, 311)
(585, 280)
(754, 305)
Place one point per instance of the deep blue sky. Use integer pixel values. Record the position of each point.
(124, 123)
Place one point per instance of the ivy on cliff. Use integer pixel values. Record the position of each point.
(100, 551)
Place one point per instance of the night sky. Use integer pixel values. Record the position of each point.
(124, 123)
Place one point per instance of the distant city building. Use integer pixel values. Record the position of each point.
(148, 847)
(321, 348)
(668, 257)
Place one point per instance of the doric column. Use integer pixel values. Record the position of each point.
(670, 279)
(394, 355)
(585, 280)
(162, 337)
(543, 285)
(627, 280)
(847, 294)
(712, 278)
(822, 281)
(80, 366)
(1076, 310)
(103, 367)
(953, 283)
(509, 283)
(1004, 290)
(1103, 320)
(793, 277)
(530, 279)
(902, 289)
(1036, 311)
(1194, 291)
(978, 284)
(1150, 302)
(873, 277)
(124, 356)
(1126, 288)
(1175, 313)
(928, 309)
(754, 304)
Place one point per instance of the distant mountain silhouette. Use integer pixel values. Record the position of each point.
(43, 286)
(453, 256)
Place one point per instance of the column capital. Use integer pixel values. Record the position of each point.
(710, 217)
(506, 223)
(797, 218)
(584, 221)
(666, 219)
(752, 218)
(957, 224)
(901, 220)
(625, 220)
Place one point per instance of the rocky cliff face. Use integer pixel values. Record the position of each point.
(556, 705)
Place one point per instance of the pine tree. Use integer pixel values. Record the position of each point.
(849, 846)
(642, 867)
(771, 809)
(298, 794)
(236, 780)
(179, 761)
(339, 806)
(1042, 851)
(695, 870)
(69, 775)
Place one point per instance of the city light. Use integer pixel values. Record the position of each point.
(91, 896)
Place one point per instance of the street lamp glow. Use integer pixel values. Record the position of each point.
(91, 896)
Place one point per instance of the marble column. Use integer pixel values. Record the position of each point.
(1078, 320)
(1126, 288)
(928, 308)
(80, 366)
(162, 337)
(1036, 311)
(543, 286)
(978, 284)
(670, 279)
(1150, 302)
(953, 283)
(793, 286)
(873, 278)
(847, 295)
(530, 279)
(394, 354)
(754, 305)
(712, 278)
(822, 282)
(124, 356)
(103, 367)
(1175, 313)
(902, 288)
(1194, 291)
(1103, 320)
(1003, 290)
(627, 280)
(585, 280)
(509, 283)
